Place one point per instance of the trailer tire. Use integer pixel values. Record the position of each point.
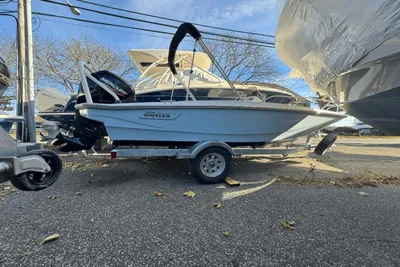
(212, 165)
(35, 181)
(325, 144)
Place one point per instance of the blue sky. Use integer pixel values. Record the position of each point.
(248, 15)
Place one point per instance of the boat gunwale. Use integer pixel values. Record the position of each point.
(177, 105)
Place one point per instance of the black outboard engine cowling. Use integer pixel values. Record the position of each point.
(119, 86)
(83, 133)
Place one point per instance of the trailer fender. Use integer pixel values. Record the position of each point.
(200, 146)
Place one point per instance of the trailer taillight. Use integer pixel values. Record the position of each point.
(113, 155)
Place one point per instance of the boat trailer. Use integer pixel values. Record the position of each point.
(28, 166)
(211, 161)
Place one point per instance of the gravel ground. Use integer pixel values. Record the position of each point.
(116, 219)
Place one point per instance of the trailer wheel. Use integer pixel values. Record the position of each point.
(325, 144)
(35, 181)
(212, 165)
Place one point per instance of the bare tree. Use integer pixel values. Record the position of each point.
(245, 63)
(56, 61)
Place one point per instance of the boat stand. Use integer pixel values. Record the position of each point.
(210, 161)
(27, 165)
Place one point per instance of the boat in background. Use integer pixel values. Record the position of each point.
(349, 51)
(5, 80)
(6, 121)
(157, 83)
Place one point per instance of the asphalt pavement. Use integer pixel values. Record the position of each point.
(107, 214)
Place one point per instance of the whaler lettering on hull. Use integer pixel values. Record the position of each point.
(150, 115)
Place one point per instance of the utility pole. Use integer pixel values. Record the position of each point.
(21, 68)
(29, 92)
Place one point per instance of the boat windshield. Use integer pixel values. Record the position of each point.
(165, 78)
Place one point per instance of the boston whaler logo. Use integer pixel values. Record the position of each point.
(151, 115)
(114, 86)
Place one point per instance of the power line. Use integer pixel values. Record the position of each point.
(140, 29)
(106, 29)
(5, 2)
(157, 23)
(174, 20)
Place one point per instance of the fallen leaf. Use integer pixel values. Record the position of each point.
(217, 205)
(91, 175)
(6, 187)
(59, 258)
(189, 194)
(105, 166)
(232, 182)
(13, 190)
(50, 238)
(78, 193)
(147, 170)
(226, 234)
(92, 220)
(312, 168)
(159, 193)
(102, 188)
(363, 194)
(288, 225)
(51, 197)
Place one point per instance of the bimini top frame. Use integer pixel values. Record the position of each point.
(187, 28)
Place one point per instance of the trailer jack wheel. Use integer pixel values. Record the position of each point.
(35, 181)
(325, 144)
(212, 165)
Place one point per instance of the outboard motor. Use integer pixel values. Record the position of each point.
(83, 133)
(119, 86)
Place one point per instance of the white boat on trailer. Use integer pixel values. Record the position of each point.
(207, 131)
(236, 123)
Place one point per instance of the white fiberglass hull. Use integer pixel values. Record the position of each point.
(234, 122)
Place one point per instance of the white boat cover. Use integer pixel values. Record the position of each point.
(322, 39)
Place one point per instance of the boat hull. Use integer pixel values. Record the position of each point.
(233, 122)
(380, 110)
(371, 93)
(6, 125)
